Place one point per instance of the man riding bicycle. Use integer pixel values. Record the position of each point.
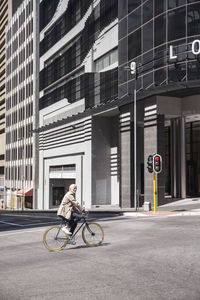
(70, 210)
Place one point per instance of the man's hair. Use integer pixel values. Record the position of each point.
(72, 186)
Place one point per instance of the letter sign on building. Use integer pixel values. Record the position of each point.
(195, 50)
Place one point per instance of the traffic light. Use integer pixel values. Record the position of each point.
(150, 164)
(157, 163)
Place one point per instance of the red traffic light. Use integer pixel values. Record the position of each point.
(157, 158)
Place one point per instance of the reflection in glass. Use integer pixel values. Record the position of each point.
(132, 4)
(122, 28)
(176, 24)
(159, 7)
(177, 72)
(160, 30)
(160, 76)
(134, 44)
(122, 9)
(147, 11)
(134, 20)
(193, 19)
(123, 51)
(193, 70)
(148, 36)
(175, 3)
(148, 80)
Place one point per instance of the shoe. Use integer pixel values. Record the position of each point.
(72, 241)
(66, 229)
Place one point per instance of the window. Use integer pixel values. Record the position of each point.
(175, 3)
(106, 60)
(193, 19)
(176, 24)
(148, 11)
(160, 28)
(134, 20)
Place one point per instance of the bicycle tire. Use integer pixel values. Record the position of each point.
(93, 234)
(50, 238)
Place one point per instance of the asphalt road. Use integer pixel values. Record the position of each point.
(141, 258)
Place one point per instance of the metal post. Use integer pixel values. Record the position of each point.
(22, 203)
(135, 148)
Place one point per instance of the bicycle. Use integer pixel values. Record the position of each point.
(55, 239)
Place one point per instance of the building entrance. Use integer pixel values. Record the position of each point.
(172, 161)
(193, 159)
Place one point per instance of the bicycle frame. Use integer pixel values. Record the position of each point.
(74, 234)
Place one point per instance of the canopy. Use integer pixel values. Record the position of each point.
(25, 192)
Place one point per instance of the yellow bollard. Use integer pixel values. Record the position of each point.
(154, 190)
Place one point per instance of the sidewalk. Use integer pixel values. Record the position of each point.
(184, 207)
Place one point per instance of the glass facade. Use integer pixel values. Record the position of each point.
(147, 29)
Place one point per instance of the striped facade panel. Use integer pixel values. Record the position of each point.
(66, 135)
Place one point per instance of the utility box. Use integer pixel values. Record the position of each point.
(147, 206)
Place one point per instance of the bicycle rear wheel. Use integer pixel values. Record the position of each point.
(55, 239)
(92, 234)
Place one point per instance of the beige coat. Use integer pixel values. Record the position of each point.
(69, 205)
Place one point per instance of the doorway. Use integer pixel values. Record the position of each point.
(193, 159)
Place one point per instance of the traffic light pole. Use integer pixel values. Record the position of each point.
(154, 190)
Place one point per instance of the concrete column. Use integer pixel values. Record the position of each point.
(182, 158)
(125, 158)
(154, 142)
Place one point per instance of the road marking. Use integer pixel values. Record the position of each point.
(22, 231)
(25, 225)
(8, 223)
(30, 216)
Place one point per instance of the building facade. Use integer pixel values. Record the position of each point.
(80, 101)
(162, 37)
(21, 169)
(78, 72)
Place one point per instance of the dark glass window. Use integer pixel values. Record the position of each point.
(175, 3)
(122, 28)
(148, 36)
(147, 62)
(160, 30)
(134, 44)
(193, 19)
(132, 4)
(159, 6)
(123, 51)
(176, 72)
(147, 11)
(160, 57)
(176, 24)
(193, 70)
(134, 20)
(122, 7)
(148, 80)
(160, 76)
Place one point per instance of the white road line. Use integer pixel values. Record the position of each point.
(22, 231)
(30, 216)
(8, 223)
(25, 225)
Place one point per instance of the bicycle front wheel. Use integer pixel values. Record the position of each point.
(55, 239)
(92, 234)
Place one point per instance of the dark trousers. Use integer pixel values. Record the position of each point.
(75, 218)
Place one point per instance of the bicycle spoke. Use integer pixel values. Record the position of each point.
(55, 239)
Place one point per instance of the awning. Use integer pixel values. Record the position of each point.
(25, 192)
